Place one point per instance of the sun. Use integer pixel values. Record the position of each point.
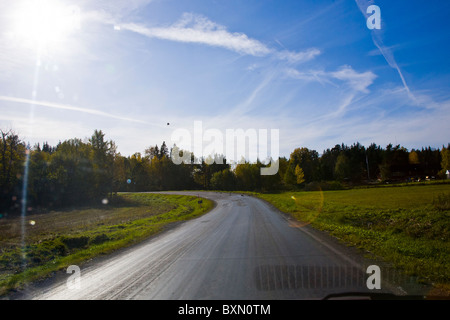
(45, 22)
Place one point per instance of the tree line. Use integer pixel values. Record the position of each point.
(78, 171)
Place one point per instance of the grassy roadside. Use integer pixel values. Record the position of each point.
(56, 240)
(406, 226)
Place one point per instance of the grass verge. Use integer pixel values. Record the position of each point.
(55, 240)
(406, 226)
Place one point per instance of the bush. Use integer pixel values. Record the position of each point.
(334, 185)
(99, 239)
(75, 243)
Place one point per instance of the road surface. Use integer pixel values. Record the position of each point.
(242, 249)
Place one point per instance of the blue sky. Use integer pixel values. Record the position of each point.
(311, 69)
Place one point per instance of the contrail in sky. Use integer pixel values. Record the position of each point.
(376, 38)
(67, 107)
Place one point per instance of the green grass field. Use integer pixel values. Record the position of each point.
(408, 226)
(55, 240)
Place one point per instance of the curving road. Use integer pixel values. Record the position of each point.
(242, 249)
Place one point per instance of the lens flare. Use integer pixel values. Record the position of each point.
(307, 210)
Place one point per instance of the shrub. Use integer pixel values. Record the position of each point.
(75, 243)
(99, 239)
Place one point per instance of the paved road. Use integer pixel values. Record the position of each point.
(242, 249)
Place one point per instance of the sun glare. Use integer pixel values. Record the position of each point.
(45, 22)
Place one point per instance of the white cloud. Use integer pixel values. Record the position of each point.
(348, 85)
(310, 76)
(303, 56)
(198, 29)
(194, 28)
(357, 81)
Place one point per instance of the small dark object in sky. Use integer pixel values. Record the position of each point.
(168, 124)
